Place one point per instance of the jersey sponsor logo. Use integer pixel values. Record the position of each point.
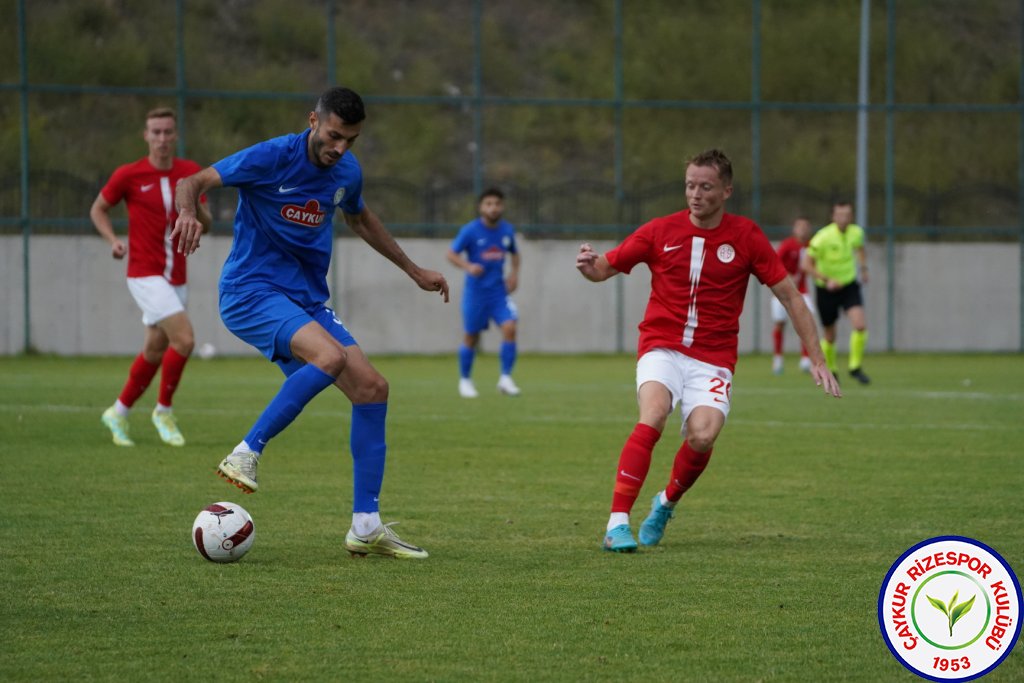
(309, 215)
(286, 190)
(726, 253)
(146, 188)
(339, 194)
(668, 248)
(492, 253)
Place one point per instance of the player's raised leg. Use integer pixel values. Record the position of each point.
(325, 358)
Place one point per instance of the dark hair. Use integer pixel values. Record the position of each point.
(717, 159)
(491, 192)
(345, 103)
(842, 202)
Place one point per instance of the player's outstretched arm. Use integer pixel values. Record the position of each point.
(372, 231)
(593, 266)
(189, 225)
(803, 323)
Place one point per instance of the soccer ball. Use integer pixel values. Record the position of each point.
(223, 532)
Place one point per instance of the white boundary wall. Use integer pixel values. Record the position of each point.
(947, 297)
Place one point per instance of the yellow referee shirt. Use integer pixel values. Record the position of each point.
(834, 252)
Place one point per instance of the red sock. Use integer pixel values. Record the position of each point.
(803, 351)
(139, 377)
(173, 366)
(777, 338)
(686, 468)
(633, 465)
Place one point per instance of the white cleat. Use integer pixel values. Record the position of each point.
(777, 365)
(507, 386)
(466, 388)
(805, 364)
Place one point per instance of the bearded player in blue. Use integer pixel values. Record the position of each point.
(273, 290)
(485, 242)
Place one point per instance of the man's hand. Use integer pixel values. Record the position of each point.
(431, 281)
(823, 377)
(586, 258)
(118, 249)
(188, 229)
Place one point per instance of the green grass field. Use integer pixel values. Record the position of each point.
(770, 571)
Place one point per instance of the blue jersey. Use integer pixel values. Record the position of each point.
(486, 246)
(284, 222)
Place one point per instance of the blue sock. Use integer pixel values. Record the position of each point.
(508, 357)
(368, 447)
(466, 356)
(298, 390)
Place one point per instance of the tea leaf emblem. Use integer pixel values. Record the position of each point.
(953, 612)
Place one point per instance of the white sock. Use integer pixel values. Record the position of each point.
(665, 502)
(120, 408)
(365, 523)
(243, 446)
(161, 408)
(617, 518)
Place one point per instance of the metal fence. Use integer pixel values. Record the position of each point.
(636, 104)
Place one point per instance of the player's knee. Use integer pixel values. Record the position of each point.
(373, 390)
(700, 440)
(332, 361)
(184, 344)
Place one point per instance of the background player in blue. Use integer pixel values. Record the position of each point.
(273, 290)
(485, 241)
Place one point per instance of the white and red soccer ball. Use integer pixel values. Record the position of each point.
(223, 532)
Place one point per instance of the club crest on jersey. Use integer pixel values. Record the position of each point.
(339, 195)
(726, 253)
(309, 215)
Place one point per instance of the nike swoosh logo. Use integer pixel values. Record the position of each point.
(668, 248)
(627, 474)
(147, 188)
(284, 189)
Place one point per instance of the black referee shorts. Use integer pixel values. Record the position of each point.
(829, 303)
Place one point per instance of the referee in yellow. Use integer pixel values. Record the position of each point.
(832, 258)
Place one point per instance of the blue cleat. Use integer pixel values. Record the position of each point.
(619, 540)
(653, 528)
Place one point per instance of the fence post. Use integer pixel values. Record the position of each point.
(26, 225)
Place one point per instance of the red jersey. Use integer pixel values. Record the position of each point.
(149, 194)
(790, 251)
(699, 279)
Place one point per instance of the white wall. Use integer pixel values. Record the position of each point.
(946, 297)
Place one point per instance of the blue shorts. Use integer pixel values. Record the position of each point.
(268, 320)
(476, 313)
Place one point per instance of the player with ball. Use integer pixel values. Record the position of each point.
(273, 293)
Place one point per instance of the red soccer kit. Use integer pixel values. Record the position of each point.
(149, 193)
(699, 278)
(790, 251)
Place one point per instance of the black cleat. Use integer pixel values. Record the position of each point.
(859, 375)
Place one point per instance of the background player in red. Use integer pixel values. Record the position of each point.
(700, 260)
(791, 251)
(156, 272)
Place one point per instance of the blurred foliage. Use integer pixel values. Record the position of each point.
(260, 63)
